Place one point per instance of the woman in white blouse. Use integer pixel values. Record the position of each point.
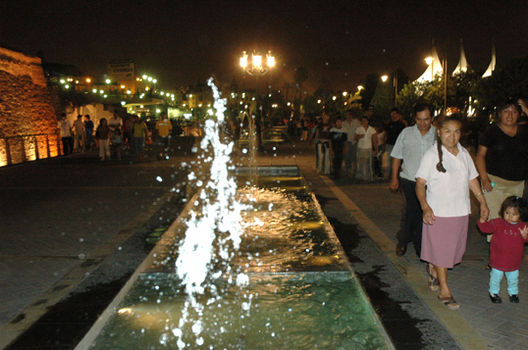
(443, 180)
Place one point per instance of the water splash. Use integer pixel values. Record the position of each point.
(216, 211)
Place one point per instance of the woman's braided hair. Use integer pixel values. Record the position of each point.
(443, 120)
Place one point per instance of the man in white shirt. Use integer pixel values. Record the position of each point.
(350, 124)
(365, 143)
(408, 151)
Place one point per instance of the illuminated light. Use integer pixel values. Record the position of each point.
(70, 79)
(162, 93)
(129, 92)
(76, 81)
(144, 76)
(142, 95)
(345, 93)
(269, 95)
(66, 86)
(199, 105)
(184, 105)
(147, 88)
(246, 106)
(210, 112)
(88, 80)
(360, 87)
(190, 95)
(288, 104)
(244, 60)
(149, 78)
(252, 99)
(243, 95)
(158, 110)
(94, 91)
(257, 61)
(233, 95)
(154, 81)
(105, 95)
(270, 60)
(123, 103)
(172, 97)
(140, 106)
(108, 81)
(187, 116)
(345, 103)
(334, 98)
(125, 311)
(138, 79)
(428, 60)
(384, 78)
(62, 81)
(101, 91)
(208, 105)
(241, 102)
(319, 101)
(122, 86)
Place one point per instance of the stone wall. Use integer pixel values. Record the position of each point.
(28, 123)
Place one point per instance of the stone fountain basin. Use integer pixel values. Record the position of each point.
(302, 292)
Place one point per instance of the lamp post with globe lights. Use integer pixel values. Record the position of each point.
(256, 67)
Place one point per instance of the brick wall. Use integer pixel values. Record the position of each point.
(28, 123)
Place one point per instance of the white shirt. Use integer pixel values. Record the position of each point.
(366, 141)
(350, 127)
(448, 193)
(410, 146)
(65, 128)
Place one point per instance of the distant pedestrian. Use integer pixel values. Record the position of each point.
(79, 134)
(408, 151)
(365, 143)
(322, 145)
(164, 128)
(89, 129)
(393, 128)
(338, 137)
(103, 134)
(66, 135)
(448, 172)
(351, 124)
(509, 234)
(139, 132)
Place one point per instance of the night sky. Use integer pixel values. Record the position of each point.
(182, 42)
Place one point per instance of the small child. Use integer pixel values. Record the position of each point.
(506, 247)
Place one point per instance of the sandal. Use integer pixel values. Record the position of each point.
(449, 302)
(433, 282)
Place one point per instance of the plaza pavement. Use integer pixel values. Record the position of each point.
(63, 218)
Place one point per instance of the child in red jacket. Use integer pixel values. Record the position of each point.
(506, 246)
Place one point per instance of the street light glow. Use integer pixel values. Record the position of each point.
(428, 60)
(270, 60)
(360, 87)
(244, 60)
(257, 61)
(384, 78)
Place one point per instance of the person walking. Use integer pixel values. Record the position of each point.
(338, 136)
(393, 128)
(139, 132)
(408, 151)
(351, 124)
(164, 128)
(89, 129)
(365, 142)
(102, 135)
(79, 133)
(448, 172)
(502, 158)
(509, 234)
(66, 135)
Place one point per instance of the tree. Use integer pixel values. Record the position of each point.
(510, 80)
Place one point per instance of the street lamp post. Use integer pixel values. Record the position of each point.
(256, 67)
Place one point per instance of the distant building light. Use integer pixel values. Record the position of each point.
(187, 116)
(154, 81)
(88, 80)
(76, 81)
(94, 91)
(334, 98)
(144, 76)
(66, 86)
(122, 86)
(105, 95)
(62, 81)
(101, 91)
(123, 103)
(158, 110)
(108, 81)
(318, 101)
(129, 92)
(210, 112)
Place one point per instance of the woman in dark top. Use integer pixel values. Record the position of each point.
(502, 158)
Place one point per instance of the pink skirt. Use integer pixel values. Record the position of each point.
(444, 242)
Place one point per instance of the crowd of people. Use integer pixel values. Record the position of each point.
(112, 137)
(436, 175)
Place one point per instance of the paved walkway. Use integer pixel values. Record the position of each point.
(61, 218)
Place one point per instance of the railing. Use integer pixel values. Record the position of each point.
(22, 148)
